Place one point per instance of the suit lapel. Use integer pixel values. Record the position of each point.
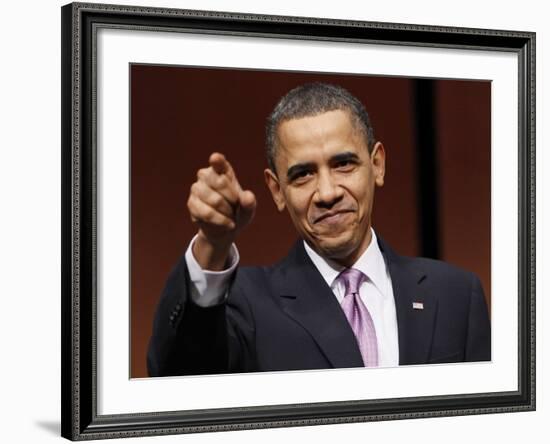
(306, 297)
(416, 307)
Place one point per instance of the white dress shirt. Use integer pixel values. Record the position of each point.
(210, 288)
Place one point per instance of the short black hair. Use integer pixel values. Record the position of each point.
(312, 99)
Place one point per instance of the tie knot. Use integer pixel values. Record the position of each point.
(352, 279)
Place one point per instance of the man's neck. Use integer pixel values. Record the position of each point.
(328, 268)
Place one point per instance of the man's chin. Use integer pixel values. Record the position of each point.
(336, 251)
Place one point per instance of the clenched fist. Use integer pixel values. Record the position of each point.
(220, 208)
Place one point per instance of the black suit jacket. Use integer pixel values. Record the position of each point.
(285, 317)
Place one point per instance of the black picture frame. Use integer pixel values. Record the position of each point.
(80, 419)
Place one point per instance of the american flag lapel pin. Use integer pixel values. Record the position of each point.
(418, 306)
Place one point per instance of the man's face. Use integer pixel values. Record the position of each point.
(326, 180)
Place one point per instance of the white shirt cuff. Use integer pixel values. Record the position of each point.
(208, 287)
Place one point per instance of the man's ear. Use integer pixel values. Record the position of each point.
(274, 186)
(378, 161)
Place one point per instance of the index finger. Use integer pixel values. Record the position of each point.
(219, 164)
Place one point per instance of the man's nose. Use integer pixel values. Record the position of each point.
(328, 191)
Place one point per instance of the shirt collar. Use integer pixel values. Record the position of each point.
(371, 263)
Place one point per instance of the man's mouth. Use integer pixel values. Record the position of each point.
(331, 216)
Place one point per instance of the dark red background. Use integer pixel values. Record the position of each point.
(179, 115)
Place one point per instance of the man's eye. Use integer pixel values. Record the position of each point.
(344, 164)
(301, 176)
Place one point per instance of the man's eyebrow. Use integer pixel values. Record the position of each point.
(295, 170)
(347, 156)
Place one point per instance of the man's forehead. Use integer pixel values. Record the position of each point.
(315, 128)
(321, 130)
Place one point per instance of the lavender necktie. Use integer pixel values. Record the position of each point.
(359, 317)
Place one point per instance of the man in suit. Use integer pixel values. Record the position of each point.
(341, 298)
